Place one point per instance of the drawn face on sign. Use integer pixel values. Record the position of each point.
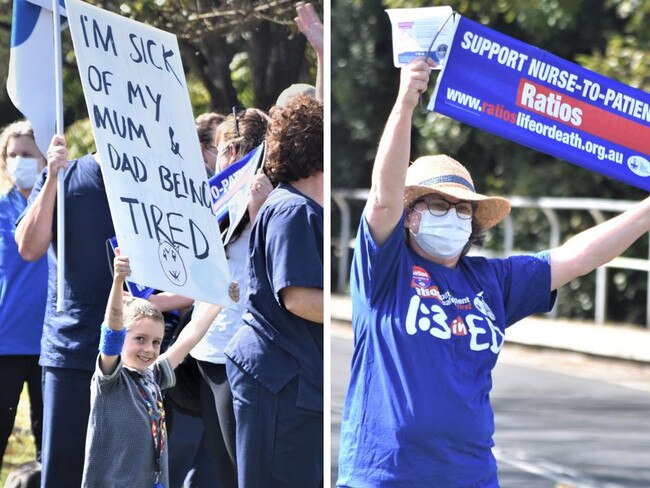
(172, 263)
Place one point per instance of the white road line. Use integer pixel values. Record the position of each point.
(562, 475)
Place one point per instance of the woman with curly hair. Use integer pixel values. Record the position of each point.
(275, 360)
(23, 285)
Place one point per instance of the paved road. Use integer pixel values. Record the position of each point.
(561, 421)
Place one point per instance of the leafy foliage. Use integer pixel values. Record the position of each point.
(79, 139)
(268, 51)
(20, 446)
(236, 53)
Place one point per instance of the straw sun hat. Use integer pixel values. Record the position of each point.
(444, 176)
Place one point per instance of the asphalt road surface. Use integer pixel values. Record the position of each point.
(562, 420)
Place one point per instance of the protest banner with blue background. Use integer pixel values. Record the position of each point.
(522, 93)
(224, 186)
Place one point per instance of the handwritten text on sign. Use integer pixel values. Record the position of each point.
(142, 120)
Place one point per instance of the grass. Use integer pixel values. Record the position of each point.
(20, 448)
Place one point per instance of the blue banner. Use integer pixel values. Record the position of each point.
(522, 93)
(227, 184)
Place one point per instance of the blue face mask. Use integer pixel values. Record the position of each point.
(443, 237)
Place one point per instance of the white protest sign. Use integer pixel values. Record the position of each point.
(142, 120)
(414, 29)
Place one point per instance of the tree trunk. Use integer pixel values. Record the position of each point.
(211, 56)
(276, 59)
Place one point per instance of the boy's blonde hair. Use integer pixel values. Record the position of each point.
(137, 308)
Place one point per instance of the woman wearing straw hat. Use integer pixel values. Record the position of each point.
(429, 321)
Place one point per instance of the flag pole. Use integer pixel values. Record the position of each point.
(60, 195)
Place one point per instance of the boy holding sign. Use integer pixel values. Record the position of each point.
(126, 400)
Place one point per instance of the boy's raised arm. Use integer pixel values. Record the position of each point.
(113, 332)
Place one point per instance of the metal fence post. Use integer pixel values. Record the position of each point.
(344, 239)
(601, 279)
(554, 241)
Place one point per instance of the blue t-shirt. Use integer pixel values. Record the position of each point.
(23, 286)
(70, 339)
(426, 337)
(274, 345)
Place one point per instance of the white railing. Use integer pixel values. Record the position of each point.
(547, 205)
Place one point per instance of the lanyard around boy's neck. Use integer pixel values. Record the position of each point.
(157, 424)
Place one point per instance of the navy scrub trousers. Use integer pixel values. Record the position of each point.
(279, 445)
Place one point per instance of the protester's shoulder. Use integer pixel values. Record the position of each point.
(113, 383)
(285, 195)
(482, 267)
(113, 375)
(10, 209)
(83, 175)
(286, 199)
(162, 373)
(86, 163)
(9, 198)
(6, 196)
(522, 260)
(396, 237)
(508, 264)
(478, 262)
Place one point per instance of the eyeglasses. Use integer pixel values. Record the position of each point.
(439, 207)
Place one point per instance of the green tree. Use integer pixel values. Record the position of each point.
(260, 37)
(211, 33)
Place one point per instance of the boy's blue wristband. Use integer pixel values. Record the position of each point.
(111, 341)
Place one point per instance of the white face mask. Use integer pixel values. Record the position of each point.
(216, 158)
(443, 237)
(23, 171)
(223, 159)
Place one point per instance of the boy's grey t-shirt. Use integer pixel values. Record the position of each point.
(119, 442)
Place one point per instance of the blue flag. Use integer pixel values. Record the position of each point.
(30, 81)
(527, 95)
